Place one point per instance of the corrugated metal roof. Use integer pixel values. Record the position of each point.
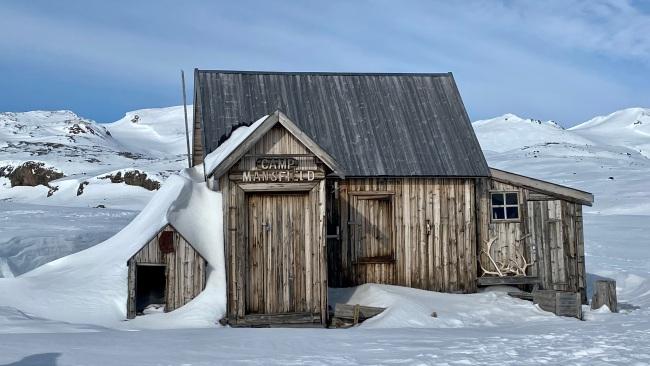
(371, 124)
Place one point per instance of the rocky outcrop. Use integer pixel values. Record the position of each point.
(134, 178)
(30, 173)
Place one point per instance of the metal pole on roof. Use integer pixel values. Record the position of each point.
(187, 129)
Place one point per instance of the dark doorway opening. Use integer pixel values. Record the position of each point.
(150, 284)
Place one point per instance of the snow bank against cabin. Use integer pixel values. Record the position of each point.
(90, 287)
(413, 308)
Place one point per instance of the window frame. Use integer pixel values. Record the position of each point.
(505, 206)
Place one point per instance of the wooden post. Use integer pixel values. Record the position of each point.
(187, 133)
(605, 294)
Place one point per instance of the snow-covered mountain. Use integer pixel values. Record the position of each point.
(60, 158)
(628, 128)
(607, 156)
(510, 132)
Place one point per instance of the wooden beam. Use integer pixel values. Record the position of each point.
(277, 187)
(556, 190)
(274, 320)
(372, 193)
(347, 311)
(511, 280)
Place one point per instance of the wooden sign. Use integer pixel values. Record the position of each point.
(270, 163)
(278, 169)
(279, 176)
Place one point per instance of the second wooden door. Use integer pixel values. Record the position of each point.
(372, 239)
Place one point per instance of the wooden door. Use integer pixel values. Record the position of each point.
(546, 229)
(371, 232)
(276, 283)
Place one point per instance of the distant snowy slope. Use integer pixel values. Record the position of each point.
(60, 158)
(600, 156)
(628, 127)
(156, 131)
(510, 132)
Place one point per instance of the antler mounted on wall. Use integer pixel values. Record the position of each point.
(516, 266)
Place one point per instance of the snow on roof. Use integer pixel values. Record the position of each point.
(213, 159)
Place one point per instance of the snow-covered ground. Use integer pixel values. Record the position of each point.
(32, 235)
(607, 156)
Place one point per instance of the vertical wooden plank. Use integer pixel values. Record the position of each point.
(444, 228)
(453, 237)
(437, 239)
(130, 310)
(429, 236)
(580, 252)
(323, 257)
(470, 236)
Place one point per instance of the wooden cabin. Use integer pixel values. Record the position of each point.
(369, 178)
(166, 273)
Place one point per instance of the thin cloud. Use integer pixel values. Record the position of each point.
(552, 60)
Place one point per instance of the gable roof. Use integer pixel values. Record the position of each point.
(275, 118)
(165, 227)
(370, 124)
(551, 189)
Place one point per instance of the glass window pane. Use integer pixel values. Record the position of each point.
(498, 213)
(497, 199)
(511, 198)
(512, 212)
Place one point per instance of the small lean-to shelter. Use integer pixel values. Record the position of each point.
(359, 178)
(533, 230)
(166, 273)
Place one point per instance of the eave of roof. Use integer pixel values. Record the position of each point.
(551, 189)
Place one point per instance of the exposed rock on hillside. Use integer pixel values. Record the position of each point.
(30, 173)
(134, 178)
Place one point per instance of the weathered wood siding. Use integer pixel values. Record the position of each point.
(184, 271)
(275, 238)
(511, 235)
(549, 233)
(431, 228)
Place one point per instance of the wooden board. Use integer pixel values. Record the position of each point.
(277, 320)
(347, 311)
(562, 303)
(507, 280)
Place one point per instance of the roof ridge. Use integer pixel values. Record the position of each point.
(323, 73)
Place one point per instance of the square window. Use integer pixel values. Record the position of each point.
(505, 206)
(497, 213)
(497, 199)
(512, 212)
(511, 199)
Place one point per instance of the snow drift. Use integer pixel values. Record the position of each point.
(91, 286)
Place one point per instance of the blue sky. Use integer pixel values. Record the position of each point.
(565, 60)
